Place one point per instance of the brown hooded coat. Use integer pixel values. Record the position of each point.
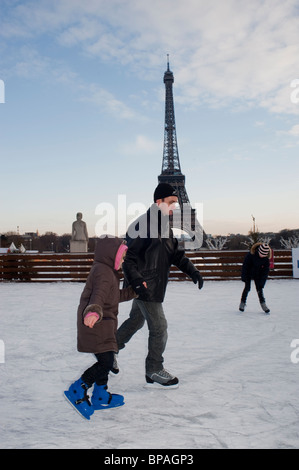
(102, 295)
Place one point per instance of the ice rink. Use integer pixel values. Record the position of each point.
(239, 372)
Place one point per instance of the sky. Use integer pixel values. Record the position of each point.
(82, 108)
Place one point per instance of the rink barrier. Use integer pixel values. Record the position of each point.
(74, 267)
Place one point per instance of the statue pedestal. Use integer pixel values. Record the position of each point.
(78, 246)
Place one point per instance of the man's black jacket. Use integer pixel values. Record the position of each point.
(152, 249)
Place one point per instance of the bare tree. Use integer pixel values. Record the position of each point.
(291, 242)
(216, 243)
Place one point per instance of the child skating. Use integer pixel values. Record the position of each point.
(97, 325)
(256, 267)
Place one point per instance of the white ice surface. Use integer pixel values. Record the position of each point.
(238, 385)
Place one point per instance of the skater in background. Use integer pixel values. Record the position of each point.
(146, 269)
(256, 267)
(97, 325)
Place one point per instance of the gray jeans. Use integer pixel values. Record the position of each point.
(153, 314)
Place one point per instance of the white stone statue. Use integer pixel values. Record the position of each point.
(79, 229)
(79, 241)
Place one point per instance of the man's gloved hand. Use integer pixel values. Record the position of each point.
(196, 278)
(139, 286)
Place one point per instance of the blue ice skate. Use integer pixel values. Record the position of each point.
(101, 399)
(78, 398)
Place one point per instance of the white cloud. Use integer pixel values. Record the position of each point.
(30, 64)
(294, 131)
(141, 146)
(106, 100)
(222, 53)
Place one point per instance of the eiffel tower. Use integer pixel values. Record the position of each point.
(171, 169)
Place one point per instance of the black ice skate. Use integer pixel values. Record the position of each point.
(265, 308)
(162, 379)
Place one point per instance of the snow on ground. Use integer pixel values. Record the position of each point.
(238, 383)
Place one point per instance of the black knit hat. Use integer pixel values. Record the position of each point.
(164, 190)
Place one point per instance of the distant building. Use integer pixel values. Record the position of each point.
(32, 235)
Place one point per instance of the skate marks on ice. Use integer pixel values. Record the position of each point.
(238, 387)
(241, 367)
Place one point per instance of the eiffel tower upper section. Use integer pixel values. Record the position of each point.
(171, 168)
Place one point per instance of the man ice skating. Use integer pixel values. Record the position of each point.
(256, 266)
(152, 249)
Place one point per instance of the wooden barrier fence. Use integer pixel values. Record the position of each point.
(74, 267)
